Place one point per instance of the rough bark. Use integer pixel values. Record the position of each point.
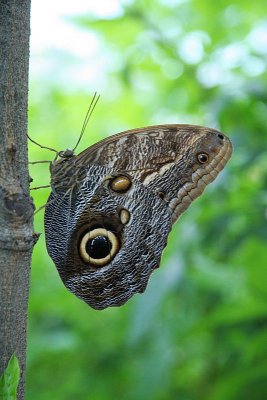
(16, 235)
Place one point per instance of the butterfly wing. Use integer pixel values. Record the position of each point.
(112, 206)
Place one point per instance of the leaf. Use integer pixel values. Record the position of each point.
(9, 380)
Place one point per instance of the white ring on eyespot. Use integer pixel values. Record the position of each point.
(93, 234)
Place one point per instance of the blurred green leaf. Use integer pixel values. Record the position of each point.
(9, 380)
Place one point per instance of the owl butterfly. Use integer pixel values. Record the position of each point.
(112, 206)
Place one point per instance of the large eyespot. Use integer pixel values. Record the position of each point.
(120, 184)
(99, 247)
(203, 158)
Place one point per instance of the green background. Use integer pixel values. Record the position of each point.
(199, 330)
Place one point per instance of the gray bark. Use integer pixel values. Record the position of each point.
(16, 209)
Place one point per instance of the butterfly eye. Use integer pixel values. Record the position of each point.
(98, 247)
(203, 158)
(120, 184)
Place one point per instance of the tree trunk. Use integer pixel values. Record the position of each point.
(16, 209)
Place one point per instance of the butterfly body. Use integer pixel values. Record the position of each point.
(112, 206)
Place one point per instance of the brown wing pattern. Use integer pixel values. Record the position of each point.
(112, 207)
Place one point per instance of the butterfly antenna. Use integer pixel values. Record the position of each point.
(42, 147)
(40, 187)
(87, 117)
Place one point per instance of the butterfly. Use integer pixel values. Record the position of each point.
(112, 206)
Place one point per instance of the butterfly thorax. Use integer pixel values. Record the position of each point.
(65, 171)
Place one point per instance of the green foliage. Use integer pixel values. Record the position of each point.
(9, 380)
(199, 331)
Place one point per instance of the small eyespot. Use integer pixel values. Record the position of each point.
(161, 195)
(203, 158)
(124, 216)
(220, 136)
(120, 184)
(98, 247)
